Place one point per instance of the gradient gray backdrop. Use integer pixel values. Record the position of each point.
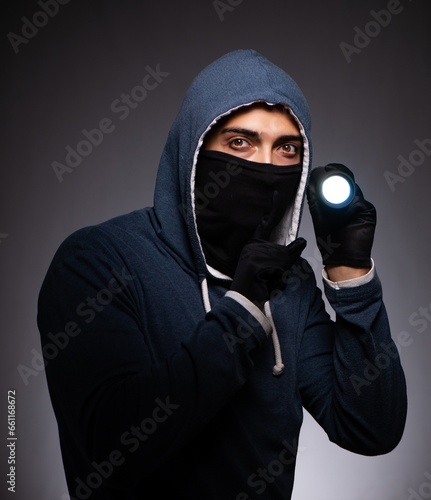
(366, 113)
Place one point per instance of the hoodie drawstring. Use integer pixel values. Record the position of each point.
(279, 366)
(205, 295)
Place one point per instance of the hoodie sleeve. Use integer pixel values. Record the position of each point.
(111, 400)
(350, 375)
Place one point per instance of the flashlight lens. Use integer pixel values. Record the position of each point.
(336, 189)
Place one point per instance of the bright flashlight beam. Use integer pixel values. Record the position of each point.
(336, 189)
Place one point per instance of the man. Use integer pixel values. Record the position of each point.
(191, 334)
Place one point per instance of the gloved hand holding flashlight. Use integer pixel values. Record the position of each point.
(344, 230)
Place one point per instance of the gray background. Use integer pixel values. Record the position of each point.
(366, 113)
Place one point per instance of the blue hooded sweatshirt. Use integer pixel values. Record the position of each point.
(161, 378)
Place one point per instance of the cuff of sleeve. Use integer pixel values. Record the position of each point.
(337, 285)
(252, 309)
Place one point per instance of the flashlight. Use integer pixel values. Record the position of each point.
(337, 189)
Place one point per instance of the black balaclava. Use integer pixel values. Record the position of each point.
(231, 197)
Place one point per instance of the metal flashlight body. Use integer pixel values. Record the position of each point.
(336, 189)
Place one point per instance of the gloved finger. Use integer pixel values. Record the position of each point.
(316, 176)
(297, 246)
(270, 220)
(339, 167)
(283, 255)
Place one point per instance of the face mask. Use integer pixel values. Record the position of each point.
(231, 197)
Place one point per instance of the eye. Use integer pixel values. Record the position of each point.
(239, 143)
(289, 149)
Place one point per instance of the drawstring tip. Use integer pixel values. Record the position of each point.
(278, 369)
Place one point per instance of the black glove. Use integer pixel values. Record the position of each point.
(263, 266)
(344, 235)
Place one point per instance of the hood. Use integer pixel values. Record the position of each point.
(237, 79)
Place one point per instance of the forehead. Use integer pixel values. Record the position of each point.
(257, 117)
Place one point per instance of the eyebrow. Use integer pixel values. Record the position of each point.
(235, 130)
(255, 135)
